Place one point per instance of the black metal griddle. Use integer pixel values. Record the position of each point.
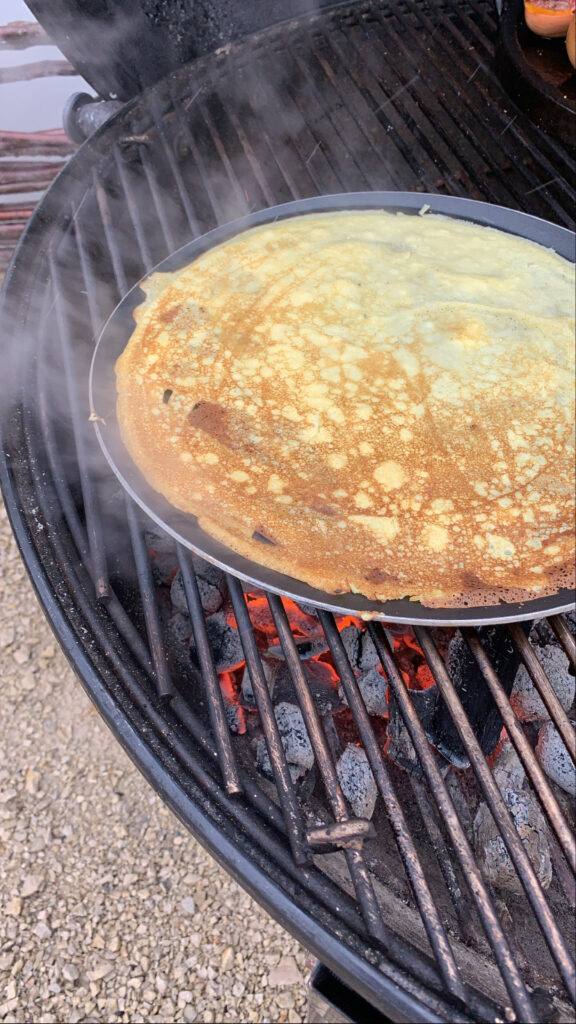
(372, 96)
(184, 528)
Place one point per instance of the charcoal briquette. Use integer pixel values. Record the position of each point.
(367, 653)
(357, 781)
(264, 765)
(294, 735)
(179, 627)
(373, 688)
(350, 637)
(164, 567)
(211, 587)
(158, 540)
(224, 642)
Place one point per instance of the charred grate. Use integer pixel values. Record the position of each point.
(401, 906)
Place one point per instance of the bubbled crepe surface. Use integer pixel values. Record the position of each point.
(387, 399)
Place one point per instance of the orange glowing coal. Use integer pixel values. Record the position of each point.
(319, 668)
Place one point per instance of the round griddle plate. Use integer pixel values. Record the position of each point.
(184, 527)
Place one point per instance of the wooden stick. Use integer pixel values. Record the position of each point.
(18, 35)
(15, 213)
(32, 167)
(10, 232)
(36, 69)
(46, 143)
(29, 174)
(48, 136)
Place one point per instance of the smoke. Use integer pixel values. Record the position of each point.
(211, 145)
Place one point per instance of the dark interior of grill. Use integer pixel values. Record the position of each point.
(193, 670)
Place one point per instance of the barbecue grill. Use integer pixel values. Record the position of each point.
(249, 714)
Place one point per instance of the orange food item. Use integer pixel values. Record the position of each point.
(549, 18)
(571, 42)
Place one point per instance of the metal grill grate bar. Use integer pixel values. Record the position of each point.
(214, 693)
(176, 173)
(492, 927)
(108, 225)
(132, 204)
(428, 909)
(545, 689)
(455, 46)
(158, 200)
(543, 913)
(290, 807)
(433, 825)
(564, 637)
(201, 144)
(146, 587)
(525, 753)
(95, 538)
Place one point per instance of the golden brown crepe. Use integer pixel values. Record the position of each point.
(369, 402)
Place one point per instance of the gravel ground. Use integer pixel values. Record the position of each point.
(110, 911)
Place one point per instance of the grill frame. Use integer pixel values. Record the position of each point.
(121, 678)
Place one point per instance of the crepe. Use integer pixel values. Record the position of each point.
(367, 401)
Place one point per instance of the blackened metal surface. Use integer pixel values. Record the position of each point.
(537, 74)
(376, 96)
(122, 46)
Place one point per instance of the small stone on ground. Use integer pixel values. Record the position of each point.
(109, 909)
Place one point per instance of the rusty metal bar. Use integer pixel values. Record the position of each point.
(93, 523)
(428, 909)
(545, 688)
(433, 827)
(282, 777)
(115, 256)
(533, 770)
(12, 230)
(146, 586)
(216, 707)
(15, 212)
(157, 198)
(564, 636)
(494, 932)
(51, 142)
(360, 877)
(348, 834)
(502, 817)
(132, 203)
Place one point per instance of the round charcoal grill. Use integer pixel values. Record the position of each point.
(348, 100)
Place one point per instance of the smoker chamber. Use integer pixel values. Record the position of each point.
(373, 96)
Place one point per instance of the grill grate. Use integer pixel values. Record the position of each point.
(370, 96)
